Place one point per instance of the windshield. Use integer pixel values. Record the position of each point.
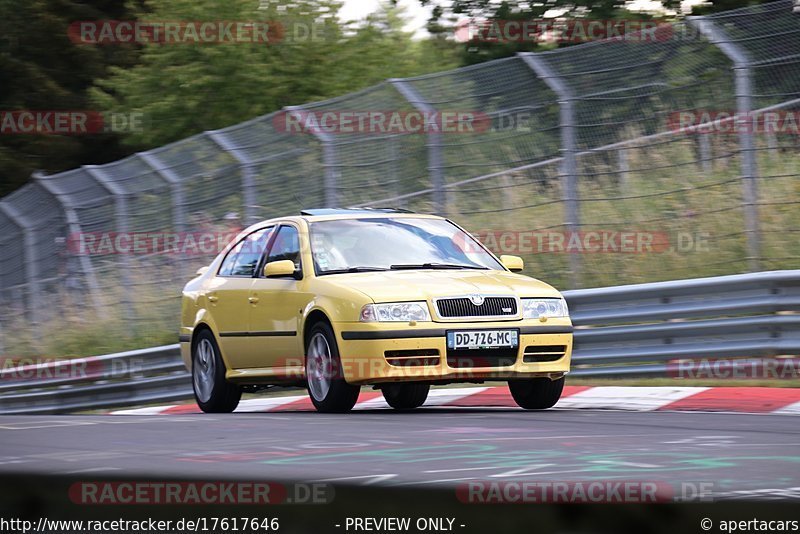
(371, 244)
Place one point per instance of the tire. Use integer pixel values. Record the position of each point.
(405, 396)
(212, 392)
(329, 391)
(536, 393)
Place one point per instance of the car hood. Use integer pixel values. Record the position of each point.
(392, 286)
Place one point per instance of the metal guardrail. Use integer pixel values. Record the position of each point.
(639, 330)
(136, 377)
(622, 331)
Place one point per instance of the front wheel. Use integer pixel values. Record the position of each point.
(536, 393)
(212, 392)
(405, 396)
(329, 391)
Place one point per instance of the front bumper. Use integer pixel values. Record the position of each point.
(363, 349)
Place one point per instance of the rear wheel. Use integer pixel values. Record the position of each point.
(212, 392)
(329, 391)
(536, 393)
(405, 396)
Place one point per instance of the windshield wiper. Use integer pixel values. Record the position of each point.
(354, 270)
(404, 266)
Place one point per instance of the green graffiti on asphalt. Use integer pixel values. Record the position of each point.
(486, 455)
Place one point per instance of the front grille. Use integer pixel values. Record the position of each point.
(472, 358)
(412, 357)
(543, 353)
(491, 307)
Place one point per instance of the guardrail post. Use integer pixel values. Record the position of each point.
(394, 175)
(331, 171)
(744, 121)
(569, 151)
(434, 143)
(330, 163)
(122, 227)
(31, 261)
(246, 166)
(74, 229)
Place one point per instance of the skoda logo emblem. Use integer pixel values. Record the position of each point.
(477, 300)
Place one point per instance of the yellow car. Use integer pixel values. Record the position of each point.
(335, 299)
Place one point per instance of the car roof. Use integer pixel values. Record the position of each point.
(327, 214)
(348, 211)
(330, 214)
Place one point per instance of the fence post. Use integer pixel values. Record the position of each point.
(29, 254)
(246, 166)
(394, 155)
(74, 229)
(122, 227)
(434, 138)
(330, 163)
(744, 120)
(569, 151)
(175, 185)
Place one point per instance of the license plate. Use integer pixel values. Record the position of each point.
(482, 339)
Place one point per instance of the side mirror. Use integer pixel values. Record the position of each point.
(279, 268)
(512, 263)
(201, 271)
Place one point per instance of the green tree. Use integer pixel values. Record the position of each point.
(41, 69)
(447, 14)
(182, 90)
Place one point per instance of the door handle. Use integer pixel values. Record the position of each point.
(252, 300)
(213, 298)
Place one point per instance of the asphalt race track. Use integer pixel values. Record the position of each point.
(734, 455)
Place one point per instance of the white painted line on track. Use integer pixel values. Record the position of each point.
(266, 404)
(370, 479)
(92, 470)
(30, 425)
(149, 410)
(631, 398)
(378, 403)
(439, 481)
(792, 409)
(439, 397)
(584, 436)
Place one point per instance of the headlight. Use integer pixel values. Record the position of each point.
(535, 308)
(397, 311)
